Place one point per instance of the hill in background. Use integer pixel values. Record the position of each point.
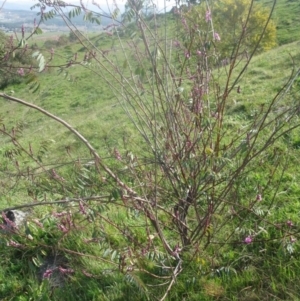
(14, 19)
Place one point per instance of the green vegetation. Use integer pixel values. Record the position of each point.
(229, 18)
(11, 66)
(286, 18)
(184, 185)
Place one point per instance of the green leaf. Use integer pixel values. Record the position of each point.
(74, 12)
(140, 71)
(125, 64)
(37, 87)
(42, 64)
(107, 252)
(36, 261)
(133, 35)
(35, 54)
(38, 31)
(115, 13)
(113, 255)
(97, 20)
(29, 78)
(87, 16)
(22, 43)
(115, 194)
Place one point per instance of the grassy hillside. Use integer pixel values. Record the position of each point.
(287, 18)
(106, 248)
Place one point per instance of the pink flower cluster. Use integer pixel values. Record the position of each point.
(21, 72)
(217, 37)
(259, 197)
(208, 16)
(117, 155)
(81, 208)
(62, 270)
(14, 244)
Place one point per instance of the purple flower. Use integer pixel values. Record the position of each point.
(187, 54)
(21, 72)
(117, 155)
(248, 240)
(184, 23)
(59, 214)
(208, 16)
(8, 223)
(65, 271)
(87, 274)
(62, 228)
(48, 273)
(198, 52)
(56, 176)
(14, 244)
(217, 37)
(289, 223)
(259, 198)
(292, 239)
(176, 43)
(81, 208)
(38, 223)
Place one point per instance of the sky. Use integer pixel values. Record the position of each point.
(26, 4)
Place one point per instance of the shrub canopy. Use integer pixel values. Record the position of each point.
(238, 24)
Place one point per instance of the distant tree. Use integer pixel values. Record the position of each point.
(133, 10)
(62, 40)
(3, 41)
(236, 24)
(74, 35)
(50, 44)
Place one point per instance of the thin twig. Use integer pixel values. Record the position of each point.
(2, 5)
(176, 272)
(29, 205)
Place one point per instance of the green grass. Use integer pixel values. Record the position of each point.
(266, 74)
(286, 17)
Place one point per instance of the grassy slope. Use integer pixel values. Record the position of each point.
(287, 18)
(81, 100)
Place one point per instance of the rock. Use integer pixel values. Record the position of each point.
(13, 219)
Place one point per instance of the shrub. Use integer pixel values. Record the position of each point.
(194, 205)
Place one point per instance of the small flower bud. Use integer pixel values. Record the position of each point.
(208, 16)
(248, 240)
(48, 273)
(217, 37)
(259, 198)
